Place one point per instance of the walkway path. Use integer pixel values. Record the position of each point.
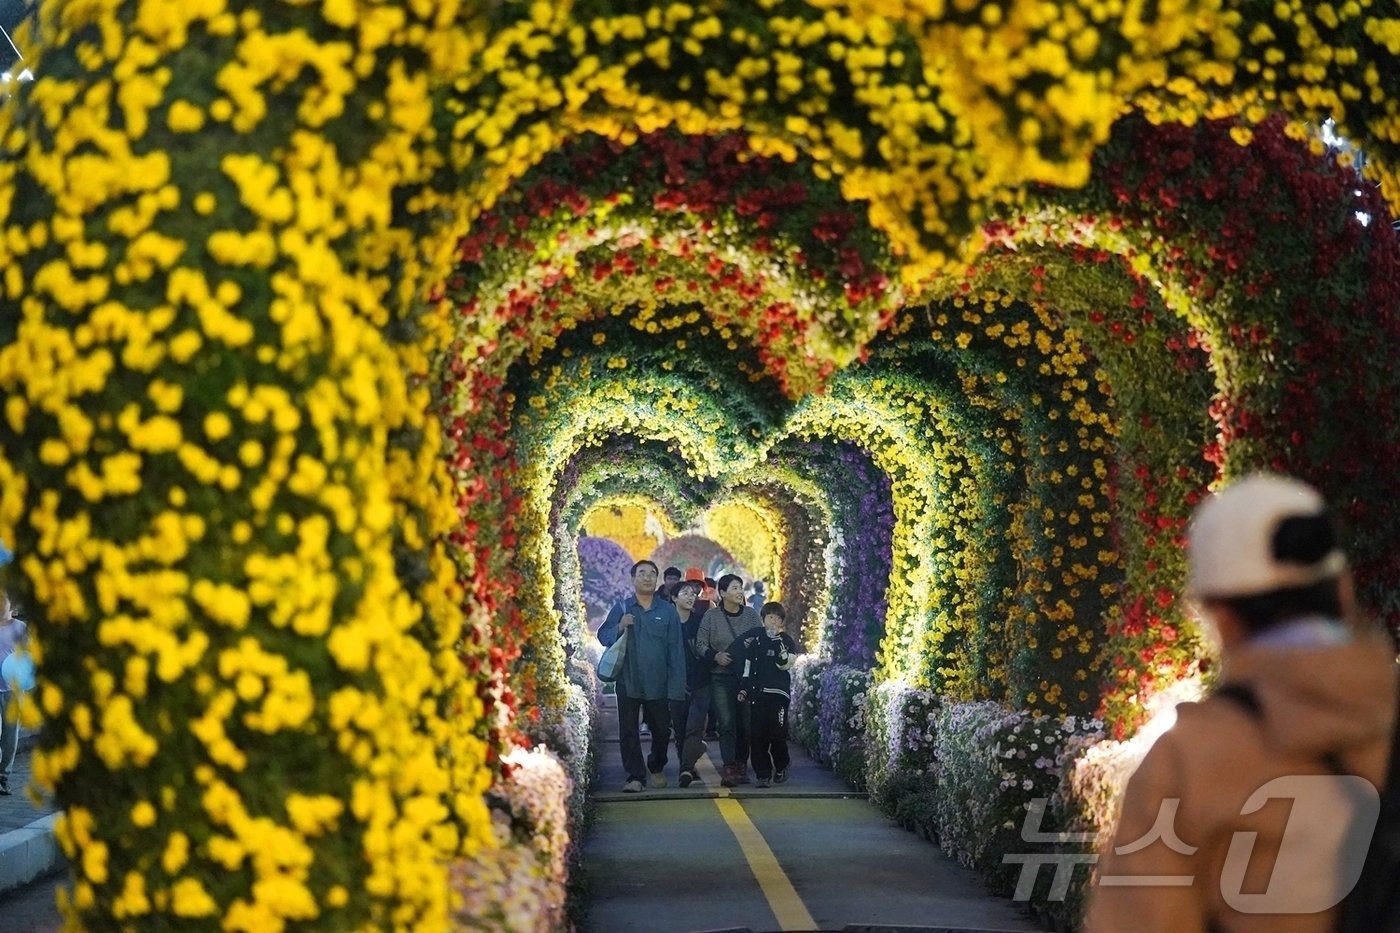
(27, 852)
(18, 810)
(808, 855)
(34, 907)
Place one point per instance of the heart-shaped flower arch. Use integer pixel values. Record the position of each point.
(265, 560)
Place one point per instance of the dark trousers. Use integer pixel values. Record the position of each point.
(689, 717)
(770, 750)
(680, 709)
(657, 714)
(733, 720)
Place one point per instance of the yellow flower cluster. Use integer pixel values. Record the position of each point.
(950, 106)
(625, 519)
(868, 412)
(797, 511)
(753, 534)
(773, 77)
(1312, 61)
(216, 467)
(1085, 59)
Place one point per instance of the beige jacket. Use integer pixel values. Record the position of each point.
(1313, 700)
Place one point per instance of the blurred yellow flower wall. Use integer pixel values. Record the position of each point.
(327, 326)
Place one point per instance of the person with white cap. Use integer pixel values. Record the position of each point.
(1254, 811)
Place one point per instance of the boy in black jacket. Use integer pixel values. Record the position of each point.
(765, 683)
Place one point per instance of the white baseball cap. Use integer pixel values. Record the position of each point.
(1230, 542)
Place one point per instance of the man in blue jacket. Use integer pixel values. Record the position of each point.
(653, 674)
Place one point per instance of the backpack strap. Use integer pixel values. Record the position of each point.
(1243, 696)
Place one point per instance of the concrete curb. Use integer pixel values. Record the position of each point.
(29, 853)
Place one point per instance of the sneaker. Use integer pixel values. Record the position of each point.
(780, 777)
(633, 786)
(658, 780)
(687, 779)
(762, 782)
(5, 785)
(727, 777)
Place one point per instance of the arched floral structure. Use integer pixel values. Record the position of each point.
(322, 313)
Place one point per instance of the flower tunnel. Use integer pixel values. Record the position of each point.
(333, 323)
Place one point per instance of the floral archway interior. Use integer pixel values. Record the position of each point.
(331, 322)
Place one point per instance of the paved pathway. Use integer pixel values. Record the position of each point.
(32, 908)
(19, 809)
(807, 855)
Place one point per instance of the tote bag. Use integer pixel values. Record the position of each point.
(610, 664)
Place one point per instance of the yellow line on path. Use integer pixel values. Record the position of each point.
(710, 776)
(782, 897)
(787, 907)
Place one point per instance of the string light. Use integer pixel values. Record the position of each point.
(7, 77)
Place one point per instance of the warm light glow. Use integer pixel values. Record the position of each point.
(1162, 710)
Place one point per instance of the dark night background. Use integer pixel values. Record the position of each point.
(11, 13)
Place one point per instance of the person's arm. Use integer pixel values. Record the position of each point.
(704, 638)
(785, 662)
(1149, 908)
(747, 648)
(608, 633)
(675, 661)
(691, 630)
(743, 663)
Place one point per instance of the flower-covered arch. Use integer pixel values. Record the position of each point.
(259, 461)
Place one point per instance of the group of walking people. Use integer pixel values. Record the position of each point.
(687, 656)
